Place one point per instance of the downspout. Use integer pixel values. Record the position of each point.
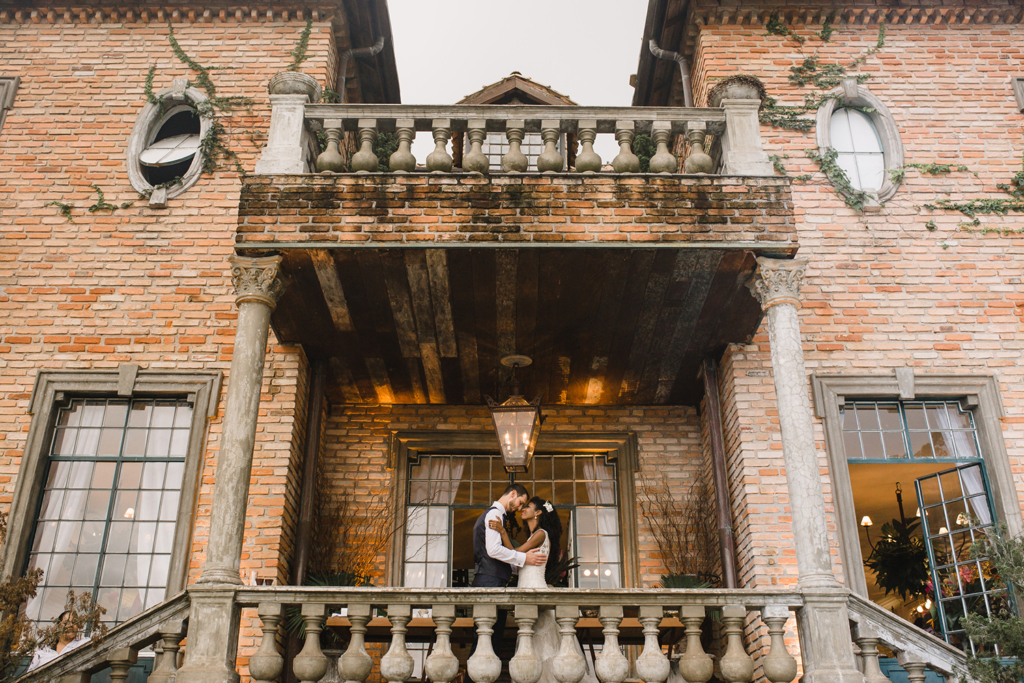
(349, 54)
(713, 410)
(307, 494)
(684, 69)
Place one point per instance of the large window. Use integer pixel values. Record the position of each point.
(108, 511)
(447, 493)
(884, 430)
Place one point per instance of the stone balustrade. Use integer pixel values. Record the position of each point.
(289, 148)
(650, 606)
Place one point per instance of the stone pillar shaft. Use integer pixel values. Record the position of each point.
(777, 287)
(213, 622)
(825, 645)
(257, 289)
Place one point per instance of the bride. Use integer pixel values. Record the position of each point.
(545, 529)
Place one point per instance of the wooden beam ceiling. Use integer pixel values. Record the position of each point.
(603, 326)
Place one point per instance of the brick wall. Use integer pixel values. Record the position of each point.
(387, 208)
(882, 290)
(356, 450)
(138, 285)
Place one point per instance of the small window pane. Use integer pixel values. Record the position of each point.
(115, 414)
(863, 133)
(842, 137)
(871, 171)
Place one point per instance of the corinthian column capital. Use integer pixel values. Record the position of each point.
(255, 279)
(777, 281)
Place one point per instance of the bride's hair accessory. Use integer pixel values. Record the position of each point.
(548, 507)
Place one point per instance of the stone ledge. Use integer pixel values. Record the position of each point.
(515, 208)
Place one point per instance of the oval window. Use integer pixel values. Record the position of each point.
(173, 147)
(859, 149)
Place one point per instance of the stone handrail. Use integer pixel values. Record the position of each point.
(292, 148)
(441, 666)
(915, 649)
(119, 650)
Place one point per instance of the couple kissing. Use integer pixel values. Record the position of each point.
(536, 561)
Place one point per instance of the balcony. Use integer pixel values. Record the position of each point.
(749, 635)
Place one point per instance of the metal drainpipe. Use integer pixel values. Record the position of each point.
(349, 54)
(684, 69)
(304, 530)
(713, 408)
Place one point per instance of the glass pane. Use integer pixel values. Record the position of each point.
(589, 576)
(175, 472)
(45, 535)
(68, 535)
(956, 418)
(103, 475)
(81, 475)
(137, 570)
(482, 493)
(417, 521)
(437, 521)
(542, 467)
(609, 549)
(849, 417)
(107, 598)
(154, 596)
(139, 414)
(920, 444)
(437, 575)
(183, 416)
(148, 505)
(92, 414)
(135, 443)
(610, 576)
(894, 445)
(586, 521)
(915, 416)
(543, 490)
(587, 548)
(169, 506)
(159, 443)
(163, 415)
(872, 444)
(416, 549)
(74, 504)
(115, 414)
(563, 493)
(158, 572)
(72, 416)
(85, 571)
(563, 468)
(88, 441)
(110, 442)
(437, 549)
(124, 505)
(842, 139)
(51, 505)
(98, 505)
(462, 493)
(92, 537)
(61, 567)
(164, 537)
(118, 537)
(848, 162)
(64, 441)
(415, 575)
(153, 475)
(58, 475)
(889, 417)
(608, 521)
(143, 537)
(131, 475)
(130, 604)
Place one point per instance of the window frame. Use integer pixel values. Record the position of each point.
(851, 94)
(147, 125)
(53, 390)
(621, 447)
(979, 393)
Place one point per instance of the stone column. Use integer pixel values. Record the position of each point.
(825, 644)
(213, 621)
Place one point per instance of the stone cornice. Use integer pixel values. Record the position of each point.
(176, 14)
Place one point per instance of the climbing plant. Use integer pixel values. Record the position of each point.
(299, 53)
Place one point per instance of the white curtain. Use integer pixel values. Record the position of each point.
(445, 475)
(973, 486)
(600, 492)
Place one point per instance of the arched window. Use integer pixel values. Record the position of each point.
(859, 127)
(860, 150)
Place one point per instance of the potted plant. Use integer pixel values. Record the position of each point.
(738, 87)
(900, 560)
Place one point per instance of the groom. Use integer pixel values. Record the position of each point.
(494, 561)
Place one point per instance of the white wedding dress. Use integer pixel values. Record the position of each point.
(546, 639)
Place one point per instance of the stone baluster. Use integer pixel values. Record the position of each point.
(171, 633)
(652, 665)
(331, 160)
(439, 161)
(779, 666)
(915, 671)
(611, 665)
(121, 660)
(587, 161)
(310, 664)
(441, 666)
(736, 665)
(698, 161)
(403, 161)
(267, 664)
(524, 667)
(696, 666)
(514, 161)
(568, 665)
(550, 161)
(484, 666)
(625, 161)
(355, 664)
(475, 161)
(663, 161)
(869, 661)
(396, 666)
(365, 161)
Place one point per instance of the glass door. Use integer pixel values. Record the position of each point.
(957, 516)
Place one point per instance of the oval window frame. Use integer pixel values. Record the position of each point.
(147, 125)
(852, 94)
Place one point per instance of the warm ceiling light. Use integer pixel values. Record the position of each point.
(516, 422)
(943, 530)
(961, 519)
(129, 513)
(918, 512)
(866, 521)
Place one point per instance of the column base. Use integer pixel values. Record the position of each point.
(212, 646)
(826, 646)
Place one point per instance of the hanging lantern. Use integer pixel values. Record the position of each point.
(516, 422)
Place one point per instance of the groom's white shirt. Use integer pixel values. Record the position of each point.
(492, 539)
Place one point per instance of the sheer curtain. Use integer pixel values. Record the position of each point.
(601, 492)
(445, 475)
(970, 476)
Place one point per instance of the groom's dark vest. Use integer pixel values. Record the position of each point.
(485, 564)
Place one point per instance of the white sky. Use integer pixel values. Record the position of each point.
(584, 49)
